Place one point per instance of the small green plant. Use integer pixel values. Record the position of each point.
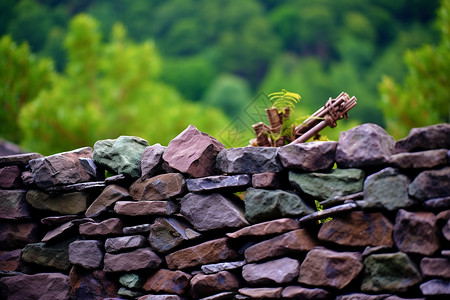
(284, 99)
(320, 208)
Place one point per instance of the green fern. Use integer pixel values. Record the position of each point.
(284, 99)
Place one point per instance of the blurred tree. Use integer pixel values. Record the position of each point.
(107, 90)
(423, 98)
(22, 76)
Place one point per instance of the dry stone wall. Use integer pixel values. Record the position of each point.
(194, 220)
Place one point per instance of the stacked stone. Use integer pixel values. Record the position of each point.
(194, 220)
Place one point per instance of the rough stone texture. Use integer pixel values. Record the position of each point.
(152, 161)
(446, 230)
(132, 280)
(59, 202)
(366, 145)
(137, 229)
(267, 180)
(163, 280)
(386, 189)
(193, 152)
(410, 229)
(145, 208)
(62, 168)
(10, 177)
(17, 235)
(13, 204)
(215, 268)
(249, 160)
(10, 260)
(110, 195)
(212, 211)
(266, 228)
(121, 156)
(27, 178)
(298, 292)
(44, 286)
(310, 157)
(168, 233)
(323, 267)
(431, 184)
(361, 296)
(58, 220)
(291, 242)
(52, 256)
(262, 293)
(124, 243)
(420, 160)
(263, 205)
(436, 287)
(437, 203)
(20, 160)
(86, 253)
(222, 182)
(425, 138)
(161, 187)
(279, 271)
(435, 267)
(142, 258)
(64, 230)
(358, 229)
(337, 182)
(206, 253)
(92, 285)
(160, 297)
(391, 272)
(113, 226)
(207, 285)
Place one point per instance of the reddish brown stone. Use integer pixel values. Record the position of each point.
(145, 208)
(110, 195)
(205, 253)
(113, 226)
(18, 235)
(161, 187)
(267, 180)
(207, 285)
(435, 267)
(291, 242)
(10, 260)
(266, 228)
(279, 271)
(64, 230)
(163, 280)
(92, 285)
(20, 160)
(262, 293)
(124, 243)
(298, 292)
(143, 258)
(358, 229)
(10, 177)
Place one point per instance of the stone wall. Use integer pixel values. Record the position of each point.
(195, 220)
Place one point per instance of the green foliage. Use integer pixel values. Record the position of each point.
(22, 76)
(319, 207)
(284, 99)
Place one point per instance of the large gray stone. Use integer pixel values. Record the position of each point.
(279, 271)
(86, 253)
(121, 156)
(425, 138)
(68, 204)
(249, 160)
(13, 205)
(431, 184)
(160, 187)
(263, 205)
(310, 157)
(212, 211)
(193, 152)
(367, 145)
(224, 183)
(337, 182)
(142, 258)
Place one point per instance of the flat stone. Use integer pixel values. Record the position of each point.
(129, 293)
(161, 187)
(145, 208)
(53, 285)
(58, 220)
(425, 138)
(366, 145)
(416, 232)
(262, 293)
(279, 271)
(160, 297)
(124, 243)
(137, 229)
(337, 182)
(212, 211)
(86, 253)
(358, 229)
(436, 287)
(249, 160)
(431, 184)
(49, 256)
(386, 189)
(142, 258)
(10, 260)
(92, 284)
(437, 203)
(13, 205)
(361, 296)
(207, 285)
(168, 233)
(435, 267)
(10, 177)
(112, 226)
(389, 272)
(59, 202)
(309, 157)
(224, 183)
(266, 180)
(220, 296)
(212, 251)
(121, 156)
(298, 292)
(224, 266)
(193, 153)
(62, 231)
(167, 281)
(18, 235)
(263, 205)
(62, 168)
(327, 268)
(328, 213)
(20, 160)
(296, 241)
(110, 195)
(152, 161)
(132, 280)
(266, 228)
(77, 187)
(420, 160)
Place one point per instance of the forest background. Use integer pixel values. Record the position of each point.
(73, 72)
